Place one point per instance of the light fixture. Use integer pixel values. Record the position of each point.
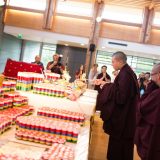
(82, 44)
(99, 19)
(103, 47)
(66, 45)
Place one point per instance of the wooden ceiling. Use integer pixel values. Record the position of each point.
(135, 3)
(127, 3)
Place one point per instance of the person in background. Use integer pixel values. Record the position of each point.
(79, 73)
(147, 137)
(119, 110)
(38, 61)
(92, 76)
(55, 66)
(102, 78)
(141, 83)
(147, 78)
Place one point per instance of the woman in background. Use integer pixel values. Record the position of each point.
(80, 72)
(92, 76)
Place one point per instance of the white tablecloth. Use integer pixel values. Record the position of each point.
(83, 105)
(81, 147)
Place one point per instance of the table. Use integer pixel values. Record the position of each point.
(81, 147)
(84, 104)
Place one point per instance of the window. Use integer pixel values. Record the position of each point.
(48, 51)
(138, 64)
(119, 13)
(75, 8)
(31, 50)
(1, 2)
(156, 20)
(30, 4)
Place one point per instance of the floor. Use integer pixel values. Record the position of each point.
(99, 141)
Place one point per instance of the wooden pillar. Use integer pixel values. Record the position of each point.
(94, 35)
(49, 14)
(144, 25)
(149, 25)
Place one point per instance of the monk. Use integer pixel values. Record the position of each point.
(147, 136)
(118, 109)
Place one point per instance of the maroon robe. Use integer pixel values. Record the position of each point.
(121, 123)
(147, 136)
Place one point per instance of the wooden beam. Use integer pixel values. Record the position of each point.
(49, 14)
(25, 9)
(94, 35)
(149, 25)
(73, 16)
(144, 25)
(46, 14)
(121, 23)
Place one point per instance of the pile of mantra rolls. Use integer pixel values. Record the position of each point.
(66, 130)
(49, 90)
(61, 114)
(26, 80)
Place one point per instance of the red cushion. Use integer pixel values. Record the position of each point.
(13, 67)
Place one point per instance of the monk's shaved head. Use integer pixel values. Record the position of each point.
(120, 56)
(156, 68)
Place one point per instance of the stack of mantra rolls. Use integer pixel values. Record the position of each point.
(49, 90)
(13, 157)
(58, 152)
(52, 76)
(55, 152)
(8, 86)
(12, 105)
(66, 130)
(61, 114)
(26, 80)
(5, 123)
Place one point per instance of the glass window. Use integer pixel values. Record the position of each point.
(124, 14)
(31, 50)
(30, 4)
(75, 8)
(1, 2)
(138, 64)
(10, 47)
(156, 20)
(48, 51)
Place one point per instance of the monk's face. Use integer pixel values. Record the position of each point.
(155, 76)
(116, 63)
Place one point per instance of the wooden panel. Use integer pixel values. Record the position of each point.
(24, 19)
(122, 32)
(155, 37)
(72, 26)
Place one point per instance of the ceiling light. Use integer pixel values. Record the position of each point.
(82, 44)
(99, 19)
(103, 47)
(66, 45)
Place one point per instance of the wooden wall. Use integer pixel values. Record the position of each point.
(78, 26)
(155, 37)
(72, 26)
(120, 32)
(24, 19)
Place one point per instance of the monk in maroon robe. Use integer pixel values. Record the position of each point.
(147, 136)
(119, 110)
